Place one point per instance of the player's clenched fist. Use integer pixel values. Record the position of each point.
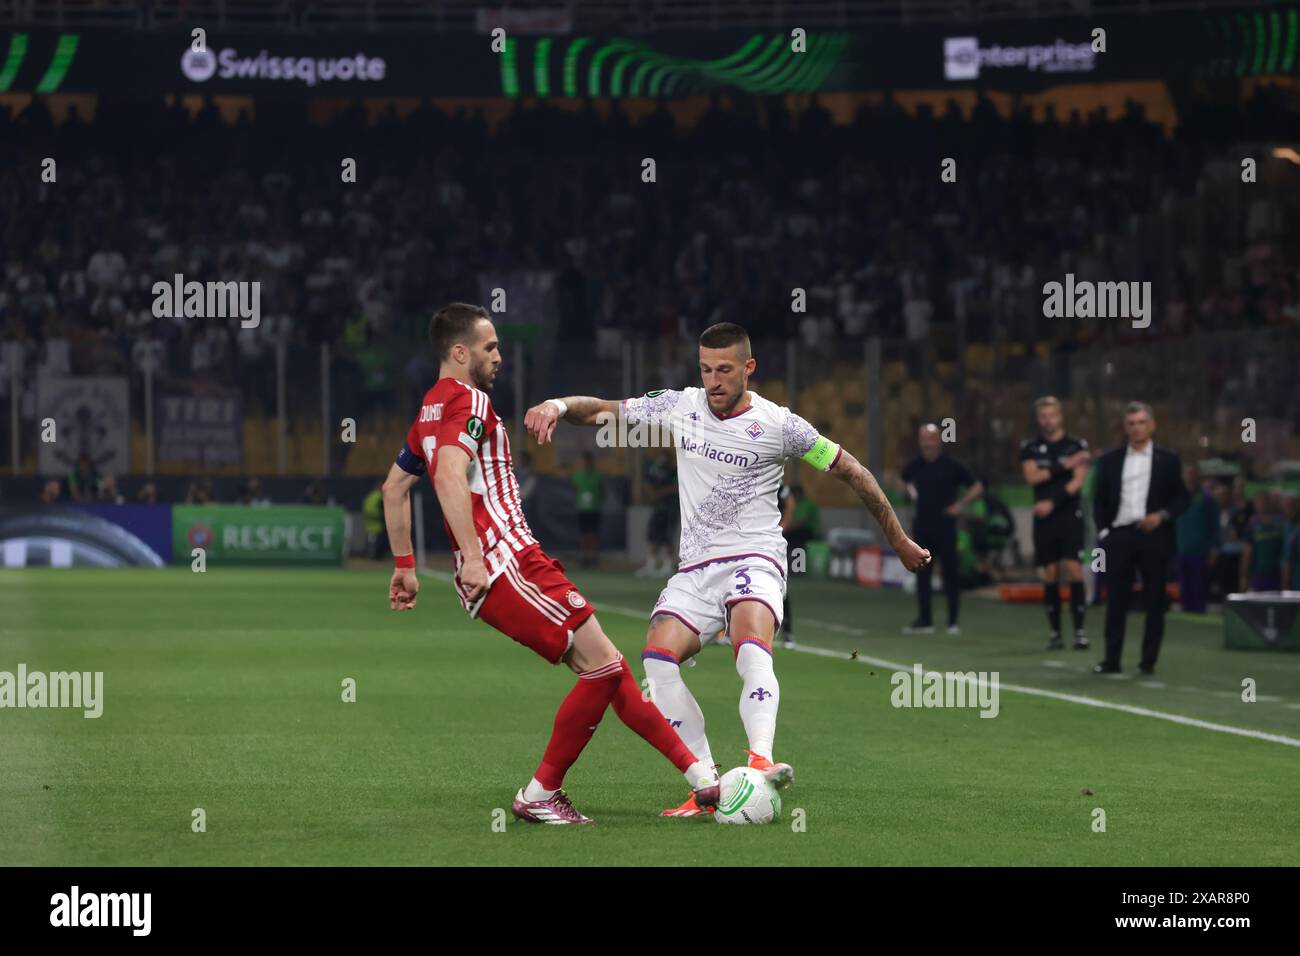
(541, 421)
(403, 589)
(473, 578)
(913, 556)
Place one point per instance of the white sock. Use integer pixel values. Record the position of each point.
(535, 791)
(760, 696)
(676, 702)
(700, 773)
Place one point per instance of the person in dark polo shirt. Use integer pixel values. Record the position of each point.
(933, 480)
(1056, 465)
(1264, 546)
(1197, 534)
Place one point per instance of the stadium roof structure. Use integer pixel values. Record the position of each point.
(559, 16)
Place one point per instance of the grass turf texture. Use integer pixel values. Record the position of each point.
(223, 691)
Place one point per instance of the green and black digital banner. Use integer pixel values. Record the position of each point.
(107, 535)
(1006, 55)
(278, 534)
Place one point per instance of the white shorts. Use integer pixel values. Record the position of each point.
(701, 597)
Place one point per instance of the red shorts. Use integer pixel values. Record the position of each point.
(533, 602)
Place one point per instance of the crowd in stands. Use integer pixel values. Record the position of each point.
(1243, 542)
(749, 203)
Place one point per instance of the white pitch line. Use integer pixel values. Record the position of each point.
(1032, 691)
(1077, 699)
(837, 627)
(1016, 688)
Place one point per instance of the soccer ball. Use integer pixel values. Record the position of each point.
(747, 797)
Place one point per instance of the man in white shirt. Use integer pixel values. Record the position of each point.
(731, 445)
(1137, 494)
(1135, 483)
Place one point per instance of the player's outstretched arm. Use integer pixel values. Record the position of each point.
(854, 474)
(404, 586)
(540, 421)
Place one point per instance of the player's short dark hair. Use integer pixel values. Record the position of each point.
(451, 325)
(723, 336)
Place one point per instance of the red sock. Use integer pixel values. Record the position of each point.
(576, 721)
(647, 720)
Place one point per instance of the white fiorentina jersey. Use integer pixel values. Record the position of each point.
(729, 470)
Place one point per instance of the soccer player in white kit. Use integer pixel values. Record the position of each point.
(731, 449)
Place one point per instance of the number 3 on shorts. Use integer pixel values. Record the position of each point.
(743, 586)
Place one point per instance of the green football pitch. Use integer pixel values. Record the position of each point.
(223, 691)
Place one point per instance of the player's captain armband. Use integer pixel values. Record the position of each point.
(410, 462)
(822, 454)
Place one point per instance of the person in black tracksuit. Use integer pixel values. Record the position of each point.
(1056, 465)
(933, 479)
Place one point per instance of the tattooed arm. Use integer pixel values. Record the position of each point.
(653, 408)
(542, 419)
(852, 472)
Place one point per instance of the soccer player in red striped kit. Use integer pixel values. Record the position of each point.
(503, 577)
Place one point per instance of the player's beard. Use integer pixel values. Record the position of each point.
(481, 373)
(732, 402)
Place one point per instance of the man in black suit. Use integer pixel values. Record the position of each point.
(1137, 494)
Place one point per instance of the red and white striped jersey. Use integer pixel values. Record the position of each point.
(457, 414)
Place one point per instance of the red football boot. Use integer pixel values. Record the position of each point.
(557, 810)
